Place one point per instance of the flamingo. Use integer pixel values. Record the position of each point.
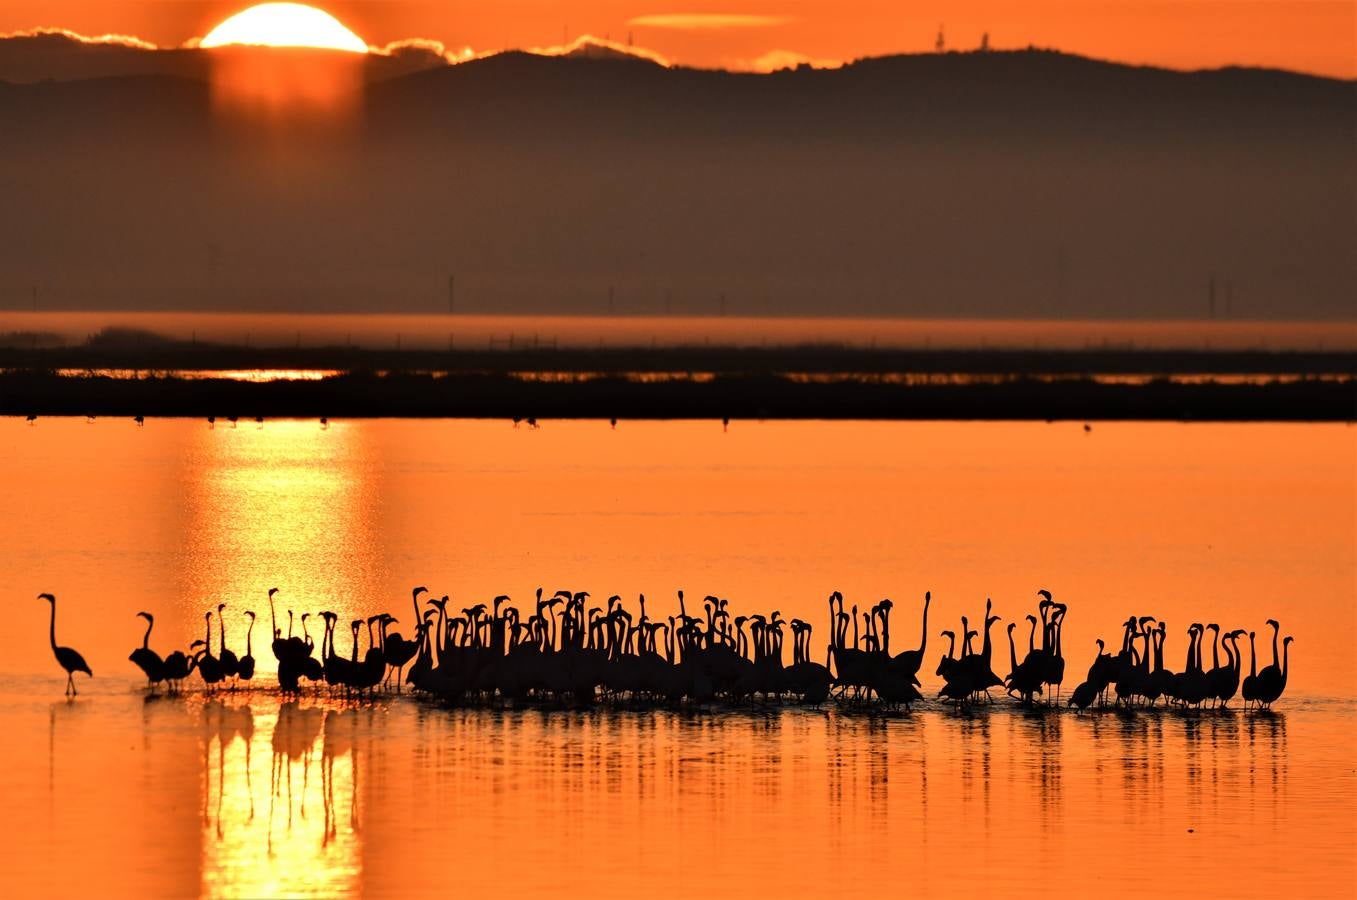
(147, 659)
(1249, 689)
(245, 668)
(178, 666)
(209, 667)
(230, 664)
(1273, 688)
(1272, 680)
(908, 662)
(67, 658)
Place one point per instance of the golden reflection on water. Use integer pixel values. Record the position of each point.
(281, 806)
(255, 795)
(295, 510)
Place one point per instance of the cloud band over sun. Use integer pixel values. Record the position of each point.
(706, 21)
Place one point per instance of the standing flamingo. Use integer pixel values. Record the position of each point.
(230, 664)
(68, 659)
(245, 668)
(147, 659)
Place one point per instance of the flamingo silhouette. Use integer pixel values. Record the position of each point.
(1272, 680)
(1249, 689)
(68, 659)
(209, 667)
(245, 668)
(147, 659)
(230, 664)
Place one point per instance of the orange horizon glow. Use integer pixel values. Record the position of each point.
(1313, 36)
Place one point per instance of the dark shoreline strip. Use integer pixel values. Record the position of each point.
(733, 396)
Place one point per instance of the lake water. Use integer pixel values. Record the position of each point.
(252, 794)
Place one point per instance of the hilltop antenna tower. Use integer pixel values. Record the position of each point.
(940, 45)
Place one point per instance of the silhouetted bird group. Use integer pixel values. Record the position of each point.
(569, 651)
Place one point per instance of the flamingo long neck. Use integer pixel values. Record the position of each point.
(221, 625)
(52, 632)
(146, 638)
(1253, 658)
(1012, 652)
(1215, 649)
(1286, 661)
(1275, 632)
(249, 639)
(923, 638)
(1032, 638)
(207, 644)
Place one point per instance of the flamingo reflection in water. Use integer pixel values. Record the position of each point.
(224, 724)
(294, 738)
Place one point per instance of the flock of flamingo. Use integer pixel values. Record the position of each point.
(568, 651)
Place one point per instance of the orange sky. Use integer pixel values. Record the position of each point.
(1308, 35)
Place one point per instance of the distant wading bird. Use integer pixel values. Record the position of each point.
(68, 659)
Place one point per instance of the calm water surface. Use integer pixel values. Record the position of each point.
(250, 795)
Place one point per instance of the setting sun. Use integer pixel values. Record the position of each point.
(285, 25)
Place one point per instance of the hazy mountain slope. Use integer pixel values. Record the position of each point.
(1001, 184)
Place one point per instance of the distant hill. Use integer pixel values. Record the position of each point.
(1027, 183)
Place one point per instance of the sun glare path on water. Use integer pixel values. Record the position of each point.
(285, 25)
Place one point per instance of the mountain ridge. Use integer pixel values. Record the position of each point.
(1007, 183)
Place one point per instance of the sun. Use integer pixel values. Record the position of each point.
(285, 25)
